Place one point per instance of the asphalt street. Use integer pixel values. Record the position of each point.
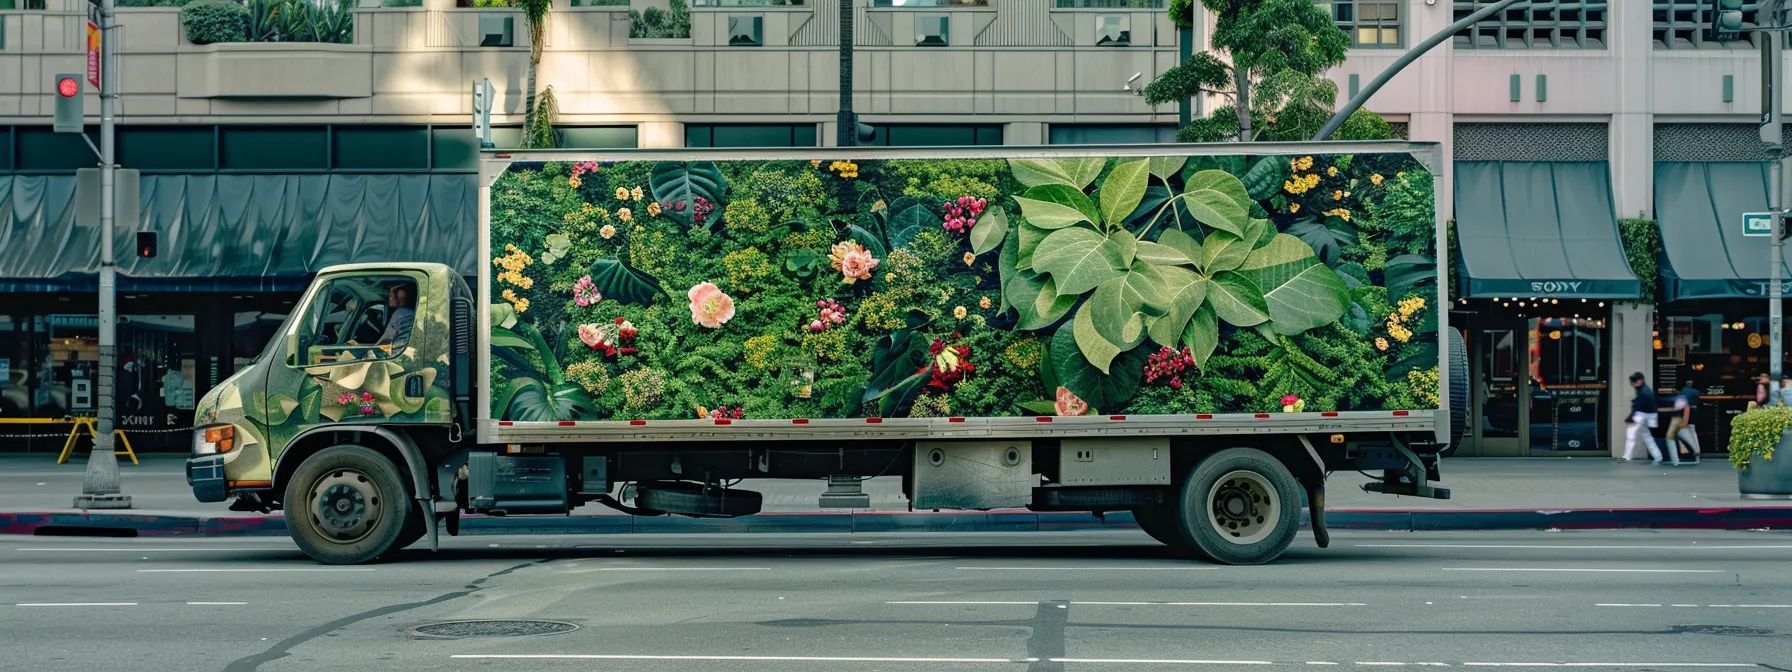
(1616, 600)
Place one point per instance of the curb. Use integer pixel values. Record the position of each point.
(163, 525)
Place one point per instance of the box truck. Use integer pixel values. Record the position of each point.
(1195, 334)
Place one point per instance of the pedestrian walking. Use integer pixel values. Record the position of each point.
(1680, 429)
(1763, 391)
(1644, 412)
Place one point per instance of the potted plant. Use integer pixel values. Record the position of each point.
(1754, 438)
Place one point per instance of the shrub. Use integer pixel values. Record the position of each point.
(654, 23)
(1756, 433)
(214, 21)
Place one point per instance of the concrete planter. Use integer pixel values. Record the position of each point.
(1768, 479)
(276, 70)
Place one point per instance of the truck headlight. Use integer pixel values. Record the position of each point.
(215, 440)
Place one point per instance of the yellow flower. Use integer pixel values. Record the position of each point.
(1306, 163)
(586, 208)
(816, 163)
(608, 231)
(984, 303)
(1400, 174)
(637, 194)
(969, 258)
(702, 411)
(624, 215)
(1340, 213)
(621, 194)
(1294, 207)
(1381, 344)
(1337, 194)
(1293, 163)
(509, 294)
(1376, 178)
(653, 209)
(959, 312)
(572, 182)
(1331, 171)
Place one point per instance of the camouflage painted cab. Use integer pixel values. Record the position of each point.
(370, 344)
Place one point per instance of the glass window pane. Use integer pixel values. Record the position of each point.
(804, 136)
(507, 137)
(749, 135)
(454, 148)
(744, 31)
(167, 147)
(1390, 36)
(1367, 35)
(40, 148)
(598, 137)
(356, 316)
(989, 135)
(381, 147)
(274, 148)
(698, 136)
(1343, 11)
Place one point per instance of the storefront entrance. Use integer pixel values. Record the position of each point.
(1539, 380)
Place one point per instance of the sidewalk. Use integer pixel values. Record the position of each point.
(1485, 494)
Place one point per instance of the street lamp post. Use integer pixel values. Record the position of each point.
(100, 487)
(847, 121)
(1773, 76)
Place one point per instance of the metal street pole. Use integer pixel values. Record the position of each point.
(100, 484)
(1185, 48)
(1772, 77)
(847, 121)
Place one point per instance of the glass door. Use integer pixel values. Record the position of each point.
(1501, 393)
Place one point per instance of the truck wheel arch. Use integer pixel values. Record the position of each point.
(397, 447)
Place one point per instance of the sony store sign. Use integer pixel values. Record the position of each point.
(1547, 287)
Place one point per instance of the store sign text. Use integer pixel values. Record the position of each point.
(1555, 286)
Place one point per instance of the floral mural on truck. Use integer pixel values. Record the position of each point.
(963, 287)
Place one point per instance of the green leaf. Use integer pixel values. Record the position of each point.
(1223, 252)
(1182, 293)
(1266, 176)
(1180, 242)
(804, 261)
(870, 241)
(1155, 197)
(1122, 191)
(894, 360)
(505, 338)
(558, 241)
(989, 231)
(616, 281)
(310, 403)
(1047, 215)
(1096, 349)
(503, 314)
(1420, 357)
(1162, 255)
(1035, 297)
(1202, 335)
(1216, 208)
(1066, 196)
(533, 401)
(675, 181)
(1079, 259)
(1408, 272)
(1084, 170)
(1301, 293)
(1039, 407)
(1165, 166)
(1029, 239)
(1073, 371)
(1237, 300)
(1007, 266)
(1223, 182)
(1229, 163)
(1127, 244)
(1121, 307)
(1327, 237)
(271, 409)
(1035, 172)
(908, 222)
(1263, 230)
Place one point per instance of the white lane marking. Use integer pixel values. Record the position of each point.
(1614, 665)
(684, 569)
(76, 604)
(1159, 661)
(1320, 662)
(965, 602)
(1584, 569)
(1104, 569)
(215, 604)
(147, 550)
(818, 659)
(1708, 606)
(1571, 546)
(266, 569)
(1138, 604)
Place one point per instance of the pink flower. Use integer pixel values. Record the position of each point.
(595, 336)
(1290, 400)
(854, 261)
(584, 292)
(1068, 403)
(709, 306)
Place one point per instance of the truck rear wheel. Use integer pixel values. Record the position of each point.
(1240, 506)
(1458, 369)
(346, 505)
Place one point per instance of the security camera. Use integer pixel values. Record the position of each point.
(1128, 85)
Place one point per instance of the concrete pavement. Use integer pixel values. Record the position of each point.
(1605, 600)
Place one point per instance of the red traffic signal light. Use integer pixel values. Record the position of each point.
(68, 87)
(146, 244)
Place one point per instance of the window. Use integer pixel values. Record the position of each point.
(1566, 24)
(1111, 134)
(380, 147)
(930, 3)
(737, 3)
(935, 135)
(931, 30)
(168, 147)
(598, 137)
(497, 30)
(1370, 23)
(21, 4)
(356, 316)
(40, 148)
(455, 148)
(1109, 4)
(274, 147)
(745, 30)
(749, 135)
(1112, 30)
(1682, 24)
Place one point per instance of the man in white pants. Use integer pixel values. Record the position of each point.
(1643, 413)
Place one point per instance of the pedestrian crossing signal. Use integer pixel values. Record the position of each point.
(146, 244)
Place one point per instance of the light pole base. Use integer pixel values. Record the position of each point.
(102, 502)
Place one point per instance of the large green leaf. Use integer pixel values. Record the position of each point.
(1049, 215)
(899, 365)
(1183, 293)
(1181, 242)
(1202, 335)
(1084, 170)
(1166, 166)
(1237, 300)
(990, 230)
(1121, 307)
(1326, 236)
(1213, 206)
(1035, 297)
(616, 281)
(1266, 176)
(1028, 238)
(1066, 196)
(909, 222)
(1123, 189)
(1259, 230)
(1223, 252)
(1223, 182)
(1127, 244)
(1408, 272)
(1068, 367)
(1301, 292)
(1095, 348)
(679, 181)
(505, 338)
(503, 315)
(1007, 266)
(1230, 163)
(533, 401)
(867, 239)
(1161, 254)
(1155, 197)
(1035, 172)
(1079, 259)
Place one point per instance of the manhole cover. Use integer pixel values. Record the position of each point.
(1732, 630)
(492, 628)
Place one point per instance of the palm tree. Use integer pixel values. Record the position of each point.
(536, 13)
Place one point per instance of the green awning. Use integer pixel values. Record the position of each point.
(1700, 207)
(1540, 229)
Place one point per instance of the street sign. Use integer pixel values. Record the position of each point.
(1757, 223)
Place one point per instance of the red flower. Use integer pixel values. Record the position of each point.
(366, 396)
(1290, 400)
(936, 347)
(619, 320)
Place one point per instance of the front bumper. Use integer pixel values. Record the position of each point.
(206, 476)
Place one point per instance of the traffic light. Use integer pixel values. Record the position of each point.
(1726, 19)
(68, 104)
(146, 244)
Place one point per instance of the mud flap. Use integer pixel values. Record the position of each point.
(1316, 508)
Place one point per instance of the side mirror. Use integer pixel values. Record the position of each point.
(292, 349)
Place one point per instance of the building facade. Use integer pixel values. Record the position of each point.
(1580, 130)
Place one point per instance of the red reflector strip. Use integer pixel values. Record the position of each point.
(1116, 418)
(1402, 413)
(873, 421)
(1262, 416)
(1043, 418)
(566, 423)
(1203, 416)
(1329, 414)
(505, 423)
(637, 423)
(724, 421)
(954, 419)
(800, 421)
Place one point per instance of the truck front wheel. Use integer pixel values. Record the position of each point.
(346, 505)
(1240, 506)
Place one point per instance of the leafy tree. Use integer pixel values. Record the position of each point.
(535, 12)
(1275, 55)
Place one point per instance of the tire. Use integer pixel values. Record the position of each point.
(346, 505)
(1459, 398)
(1159, 522)
(1239, 506)
(414, 528)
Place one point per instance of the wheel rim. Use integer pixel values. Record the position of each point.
(1242, 506)
(345, 505)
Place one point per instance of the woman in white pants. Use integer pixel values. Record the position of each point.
(1643, 413)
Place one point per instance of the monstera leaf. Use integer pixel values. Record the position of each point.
(530, 400)
(1407, 273)
(1327, 237)
(676, 181)
(616, 281)
(1300, 292)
